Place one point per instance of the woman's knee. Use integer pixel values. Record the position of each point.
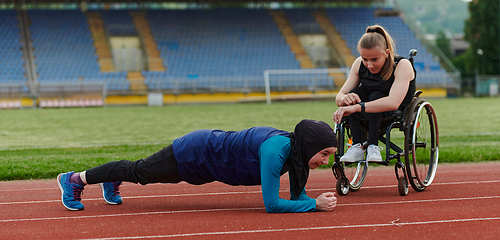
(354, 116)
(376, 95)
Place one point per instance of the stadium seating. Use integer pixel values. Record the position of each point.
(64, 50)
(118, 23)
(11, 56)
(215, 48)
(352, 23)
(221, 43)
(303, 22)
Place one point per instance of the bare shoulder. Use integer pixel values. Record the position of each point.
(404, 62)
(404, 68)
(357, 62)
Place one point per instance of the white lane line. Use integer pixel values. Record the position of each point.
(420, 201)
(364, 187)
(28, 189)
(302, 229)
(437, 183)
(253, 192)
(128, 214)
(138, 197)
(243, 209)
(228, 193)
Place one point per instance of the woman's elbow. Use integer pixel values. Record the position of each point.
(338, 101)
(394, 106)
(271, 207)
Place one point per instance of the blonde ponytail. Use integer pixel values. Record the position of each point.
(376, 35)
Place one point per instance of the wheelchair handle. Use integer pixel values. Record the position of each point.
(413, 53)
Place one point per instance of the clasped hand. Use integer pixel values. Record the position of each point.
(347, 107)
(326, 202)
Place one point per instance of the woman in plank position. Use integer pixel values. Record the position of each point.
(254, 156)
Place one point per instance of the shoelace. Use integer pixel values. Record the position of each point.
(372, 149)
(77, 193)
(116, 188)
(350, 145)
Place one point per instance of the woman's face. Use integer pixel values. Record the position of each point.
(374, 58)
(321, 157)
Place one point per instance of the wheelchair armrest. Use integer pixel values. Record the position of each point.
(398, 113)
(417, 93)
(396, 116)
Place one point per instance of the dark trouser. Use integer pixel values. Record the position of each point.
(161, 167)
(374, 119)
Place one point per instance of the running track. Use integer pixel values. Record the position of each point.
(462, 203)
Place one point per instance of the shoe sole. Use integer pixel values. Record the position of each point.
(104, 196)
(357, 161)
(375, 160)
(353, 161)
(62, 194)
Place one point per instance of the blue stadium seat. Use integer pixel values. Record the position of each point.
(11, 56)
(64, 49)
(352, 22)
(194, 44)
(221, 43)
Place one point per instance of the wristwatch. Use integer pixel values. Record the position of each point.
(362, 107)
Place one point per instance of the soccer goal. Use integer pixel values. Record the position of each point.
(312, 80)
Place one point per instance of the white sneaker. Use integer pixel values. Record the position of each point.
(373, 153)
(354, 153)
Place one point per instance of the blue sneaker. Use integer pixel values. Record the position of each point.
(110, 192)
(70, 192)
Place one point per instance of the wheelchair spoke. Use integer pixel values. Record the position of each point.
(355, 172)
(423, 148)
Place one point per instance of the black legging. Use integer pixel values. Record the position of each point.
(374, 119)
(161, 167)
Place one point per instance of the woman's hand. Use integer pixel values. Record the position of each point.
(350, 99)
(326, 202)
(342, 112)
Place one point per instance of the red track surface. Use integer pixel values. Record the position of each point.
(462, 203)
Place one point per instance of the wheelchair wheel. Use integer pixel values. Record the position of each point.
(355, 172)
(421, 145)
(402, 186)
(342, 186)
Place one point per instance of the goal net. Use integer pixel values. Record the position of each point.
(312, 80)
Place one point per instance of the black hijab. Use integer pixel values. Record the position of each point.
(308, 138)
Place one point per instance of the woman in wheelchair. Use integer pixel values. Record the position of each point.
(379, 83)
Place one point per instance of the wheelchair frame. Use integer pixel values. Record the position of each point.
(421, 148)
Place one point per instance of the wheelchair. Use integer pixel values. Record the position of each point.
(418, 125)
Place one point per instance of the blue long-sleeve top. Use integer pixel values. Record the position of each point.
(254, 156)
(273, 153)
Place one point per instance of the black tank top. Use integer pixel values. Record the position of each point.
(374, 82)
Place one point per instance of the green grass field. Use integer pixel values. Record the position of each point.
(41, 143)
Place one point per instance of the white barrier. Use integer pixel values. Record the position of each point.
(50, 103)
(10, 104)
